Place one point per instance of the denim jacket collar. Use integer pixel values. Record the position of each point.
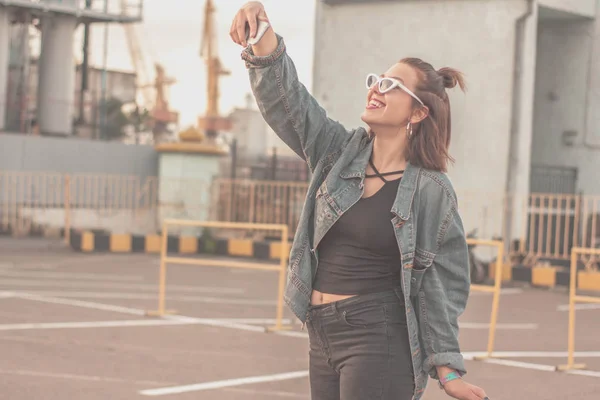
(406, 189)
(357, 167)
(406, 192)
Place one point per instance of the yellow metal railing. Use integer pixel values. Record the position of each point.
(165, 259)
(495, 289)
(574, 298)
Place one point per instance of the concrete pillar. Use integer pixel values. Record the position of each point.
(519, 165)
(4, 54)
(56, 86)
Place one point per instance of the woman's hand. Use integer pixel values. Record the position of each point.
(249, 14)
(462, 390)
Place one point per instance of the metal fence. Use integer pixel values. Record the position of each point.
(32, 200)
(263, 202)
(549, 225)
(553, 179)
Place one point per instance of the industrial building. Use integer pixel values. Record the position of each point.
(528, 122)
(52, 92)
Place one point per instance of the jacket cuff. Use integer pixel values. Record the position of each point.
(450, 360)
(253, 61)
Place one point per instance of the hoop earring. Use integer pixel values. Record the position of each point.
(409, 129)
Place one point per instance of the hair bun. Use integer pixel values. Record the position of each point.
(452, 78)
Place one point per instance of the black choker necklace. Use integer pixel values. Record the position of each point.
(379, 175)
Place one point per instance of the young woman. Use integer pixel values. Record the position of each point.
(379, 264)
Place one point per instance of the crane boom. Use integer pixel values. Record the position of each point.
(137, 58)
(212, 120)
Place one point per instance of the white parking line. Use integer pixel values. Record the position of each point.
(226, 322)
(245, 320)
(137, 311)
(225, 383)
(84, 304)
(69, 275)
(142, 296)
(77, 377)
(538, 367)
(520, 364)
(126, 286)
(594, 374)
(565, 307)
(233, 325)
(484, 325)
(95, 324)
(532, 354)
(263, 393)
(292, 334)
(242, 324)
(221, 323)
(503, 292)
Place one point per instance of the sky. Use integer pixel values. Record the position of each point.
(171, 34)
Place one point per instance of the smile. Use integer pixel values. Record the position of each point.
(373, 104)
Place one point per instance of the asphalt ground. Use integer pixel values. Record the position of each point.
(72, 326)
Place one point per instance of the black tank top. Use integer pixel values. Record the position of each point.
(359, 254)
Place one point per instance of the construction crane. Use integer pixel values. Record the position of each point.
(211, 123)
(154, 94)
(161, 113)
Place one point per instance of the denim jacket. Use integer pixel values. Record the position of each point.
(429, 231)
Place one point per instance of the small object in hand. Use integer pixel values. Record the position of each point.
(260, 31)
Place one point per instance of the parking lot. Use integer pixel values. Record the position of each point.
(73, 326)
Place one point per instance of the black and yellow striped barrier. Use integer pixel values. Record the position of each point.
(95, 241)
(555, 275)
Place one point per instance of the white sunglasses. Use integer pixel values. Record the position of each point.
(386, 84)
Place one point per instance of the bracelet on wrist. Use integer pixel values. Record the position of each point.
(450, 377)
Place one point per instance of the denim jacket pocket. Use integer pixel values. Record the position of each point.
(323, 210)
(415, 281)
(421, 265)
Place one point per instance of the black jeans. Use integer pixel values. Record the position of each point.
(359, 349)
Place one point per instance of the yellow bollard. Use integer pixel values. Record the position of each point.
(495, 290)
(67, 207)
(573, 299)
(162, 279)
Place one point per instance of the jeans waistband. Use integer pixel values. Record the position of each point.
(335, 307)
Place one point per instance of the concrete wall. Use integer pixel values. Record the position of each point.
(568, 78)
(584, 8)
(250, 129)
(75, 156)
(185, 187)
(120, 221)
(255, 136)
(101, 200)
(476, 37)
(4, 47)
